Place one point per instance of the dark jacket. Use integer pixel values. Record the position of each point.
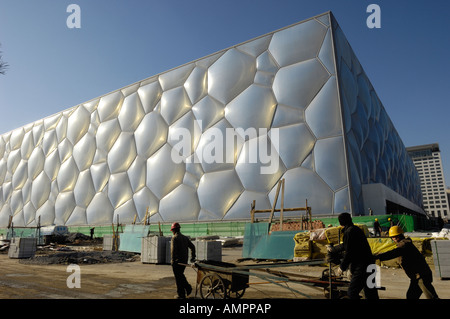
(412, 261)
(179, 248)
(355, 249)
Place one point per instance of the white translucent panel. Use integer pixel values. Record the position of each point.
(180, 205)
(298, 43)
(119, 189)
(326, 54)
(78, 217)
(150, 95)
(287, 115)
(100, 175)
(208, 112)
(27, 145)
(257, 46)
(298, 84)
(324, 19)
(206, 62)
(174, 104)
(196, 85)
(253, 108)
(65, 150)
(266, 63)
(259, 166)
(16, 203)
(38, 134)
(130, 89)
(18, 219)
(131, 113)
(323, 115)
(295, 144)
(15, 141)
(190, 180)
(218, 191)
(330, 162)
(26, 191)
(84, 152)
(125, 213)
(64, 206)
(175, 77)
(109, 106)
(84, 189)
(3, 170)
(122, 153)
(91, 106)
(36, 163)
(163, 174)
(5, 213)
(67, 175)
(13, 161)
(20, 175)
(302, 184)
(2, 146)
(143, 200)
(107, 134)
(50, 142)
(100, 210)
(51, 166)
(151, 134)
(40, 190)
(232, 73)
(51, 122)
(46, 213)
(184, 135)
(78, 124)
(194, 167)
(61, 129)
(264, 78)
(242, 207)
(29, 212)
(137, 173)
(217, 150)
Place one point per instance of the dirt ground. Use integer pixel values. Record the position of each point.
(132, 279)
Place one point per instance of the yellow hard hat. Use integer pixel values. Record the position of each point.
(376, 219)
(395, 231)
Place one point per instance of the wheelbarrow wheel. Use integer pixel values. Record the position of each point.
(212, 287)
(236, 294)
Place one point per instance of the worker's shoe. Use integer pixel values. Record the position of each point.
(179, 297)
(188, 290)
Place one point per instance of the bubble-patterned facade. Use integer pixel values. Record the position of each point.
(298, 93)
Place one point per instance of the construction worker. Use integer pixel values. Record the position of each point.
(357, 256)
(179, 255)
(413, 263)
(377, 228)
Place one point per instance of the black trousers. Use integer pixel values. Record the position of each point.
(359, 282)
(183, 287)
(421, 283)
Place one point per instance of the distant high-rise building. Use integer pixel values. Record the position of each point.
(427, 159)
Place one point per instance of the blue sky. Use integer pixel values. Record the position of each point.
(120, 42)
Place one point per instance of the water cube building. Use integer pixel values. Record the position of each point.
(200, 142)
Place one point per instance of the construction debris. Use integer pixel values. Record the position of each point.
(82, 257)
